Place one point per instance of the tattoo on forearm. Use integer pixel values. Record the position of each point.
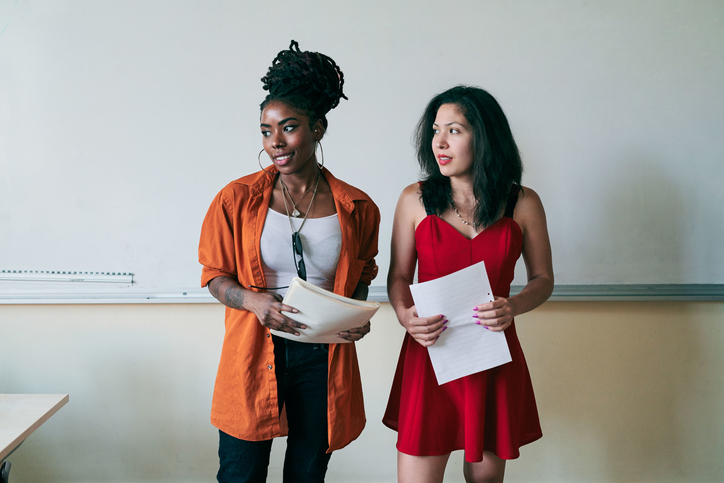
(234, 297)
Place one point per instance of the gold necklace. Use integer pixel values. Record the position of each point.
(309, 208)
(285, 191)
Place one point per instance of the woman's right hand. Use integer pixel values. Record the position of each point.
(266, 306)
(268, 309)
(425, 330)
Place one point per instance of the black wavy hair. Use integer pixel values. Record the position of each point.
(496, 160)
(309, 82)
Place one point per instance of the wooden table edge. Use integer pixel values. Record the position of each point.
(24, 435)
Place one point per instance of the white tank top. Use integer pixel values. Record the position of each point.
(321, 244)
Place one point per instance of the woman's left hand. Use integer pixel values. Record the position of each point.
(496, 315)
(356, 334)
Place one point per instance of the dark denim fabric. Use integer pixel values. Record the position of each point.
(301, 371)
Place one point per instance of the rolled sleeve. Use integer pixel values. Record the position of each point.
(216, 246)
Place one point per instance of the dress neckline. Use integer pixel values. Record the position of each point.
(487, 229)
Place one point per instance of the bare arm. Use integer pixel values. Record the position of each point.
(536, 254)
(228, 291)
(530, 216)
(408, 214)
(266, 306)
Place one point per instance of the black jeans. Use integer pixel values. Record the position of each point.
(301, 371)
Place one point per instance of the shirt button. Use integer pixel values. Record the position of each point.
(269, 366)
(268, 335)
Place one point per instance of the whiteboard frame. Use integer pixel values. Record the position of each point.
(561, 293)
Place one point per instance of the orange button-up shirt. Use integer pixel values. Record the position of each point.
(245, 396)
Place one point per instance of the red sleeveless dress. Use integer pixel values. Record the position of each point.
(493, 410)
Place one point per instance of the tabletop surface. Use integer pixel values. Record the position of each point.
(21, 414)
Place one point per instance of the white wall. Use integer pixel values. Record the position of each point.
(120, 120)
(627, 392)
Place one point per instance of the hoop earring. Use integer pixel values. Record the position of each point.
(321, 151)
(258, 158)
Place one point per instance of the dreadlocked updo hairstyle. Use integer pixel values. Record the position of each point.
(496, 160)
(306, 81)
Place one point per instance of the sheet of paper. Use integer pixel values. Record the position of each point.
(324, 313)
(465, 347)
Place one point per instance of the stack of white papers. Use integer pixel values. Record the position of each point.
(465, 347)
(324, 313)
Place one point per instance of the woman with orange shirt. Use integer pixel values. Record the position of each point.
(290, 219)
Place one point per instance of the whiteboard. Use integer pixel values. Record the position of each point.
(120, 121)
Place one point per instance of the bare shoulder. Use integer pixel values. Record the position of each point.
(529, 208)
(528, 198)
(410, 198)
(411, 191)
(410, 207)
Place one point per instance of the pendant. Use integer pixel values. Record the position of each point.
(296, 213)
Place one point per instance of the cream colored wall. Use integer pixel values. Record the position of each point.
(627, 392)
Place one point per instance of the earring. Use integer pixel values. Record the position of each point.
(258, 158)
(321, 151)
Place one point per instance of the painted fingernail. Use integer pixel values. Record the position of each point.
(475, 308)
(475, 315)
(444, 329)
(445, 321)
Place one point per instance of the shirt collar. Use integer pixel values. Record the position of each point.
(264, 180)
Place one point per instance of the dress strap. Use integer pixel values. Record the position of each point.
(428, 210)
(512, 200)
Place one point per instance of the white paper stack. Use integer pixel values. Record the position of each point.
(324, 313)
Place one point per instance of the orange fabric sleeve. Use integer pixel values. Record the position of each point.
(216, 246)
(368, 243)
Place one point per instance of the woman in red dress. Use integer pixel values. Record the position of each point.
(470, 207)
